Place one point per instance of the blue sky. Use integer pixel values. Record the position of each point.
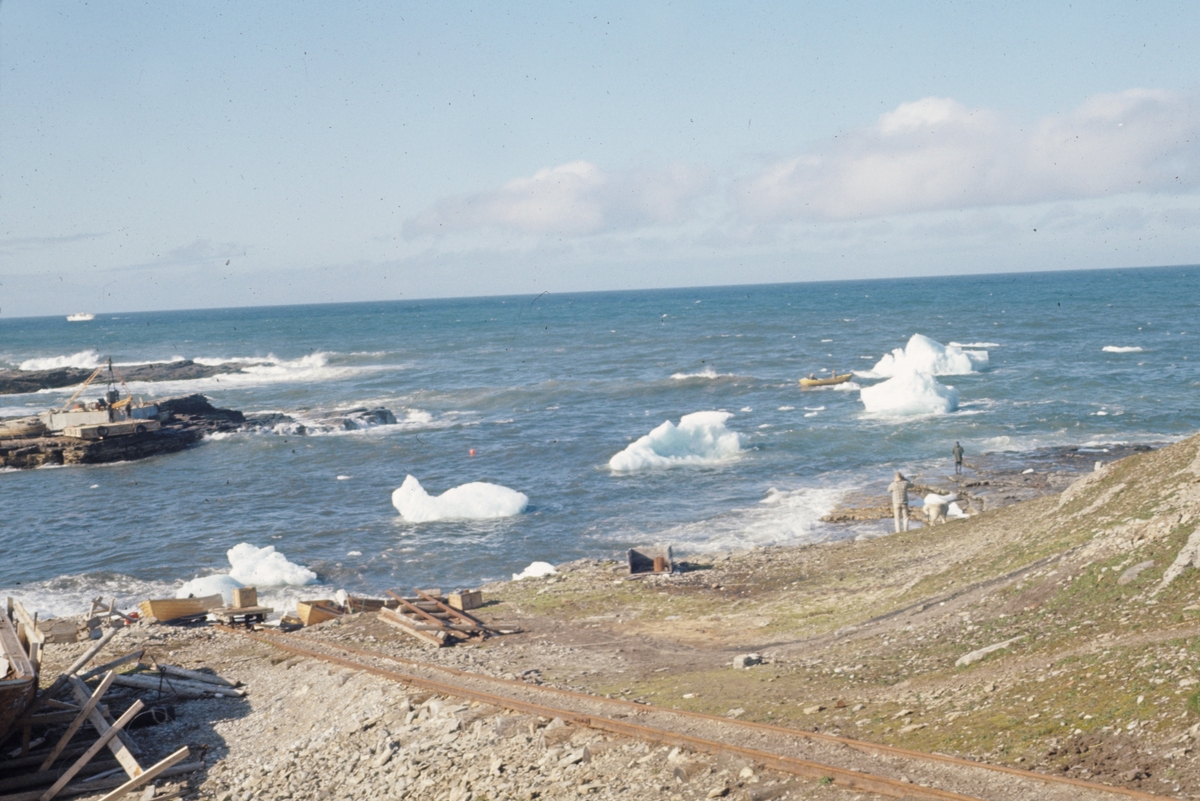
(174, 155)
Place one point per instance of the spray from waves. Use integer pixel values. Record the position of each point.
(909, 393)
(706, 373)
(474, 501)
(924, 355)
(700, 438)
(964, 345)
(1121, 349)
(787, 517)
(84, 360)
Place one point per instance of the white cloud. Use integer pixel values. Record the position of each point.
(576, 198)
(936, 154)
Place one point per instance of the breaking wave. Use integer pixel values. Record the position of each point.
(1121, 349)
(84, 360)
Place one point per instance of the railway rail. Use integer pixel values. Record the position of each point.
(853, 764)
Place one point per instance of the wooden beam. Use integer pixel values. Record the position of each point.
(450, 610)
(150, 773)
(105, 738)
(132, 656)
(79, 719)
(116, 745)
(413, 608)
(394, 618)
(93, 786)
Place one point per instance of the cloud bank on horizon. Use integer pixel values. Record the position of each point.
(932, 154)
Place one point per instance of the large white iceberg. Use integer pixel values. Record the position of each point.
(700, 438)
(924, 355)
(475, 501)
(909, 393)
(249, 566)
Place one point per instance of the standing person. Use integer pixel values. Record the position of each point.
(899, 489)
(958, 455)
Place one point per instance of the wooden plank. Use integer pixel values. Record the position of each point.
(394, 618)
(177, 686)
(92, 786)
(456, 613)
(34, 637)
(196, 675)
(414, 609)
(318, 611)
(132, 656)
(83, 714)
(117, 745)
(61, 681)
(150, 773)
(86, 757)
(46, 718)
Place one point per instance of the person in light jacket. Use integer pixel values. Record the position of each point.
(899, 489)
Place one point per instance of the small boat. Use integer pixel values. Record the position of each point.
(18, 677)
(80, 317)
(806, 383)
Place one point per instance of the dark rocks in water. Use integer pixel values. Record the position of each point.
(354, 419)
(198, 406)
(13, 382)
(339, 420)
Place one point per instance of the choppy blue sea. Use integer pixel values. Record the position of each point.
(547, 389)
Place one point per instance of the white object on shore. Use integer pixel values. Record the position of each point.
(700, 438)
(477, 500)
(975, 656)
(535, 570)
(260, 567)
(909, 393)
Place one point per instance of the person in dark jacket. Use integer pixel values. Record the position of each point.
(958, 455)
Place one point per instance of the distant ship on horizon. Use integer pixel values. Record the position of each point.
(80, 317)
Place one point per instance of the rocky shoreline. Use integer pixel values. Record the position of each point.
(16, 382)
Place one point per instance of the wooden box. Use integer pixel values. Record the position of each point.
(244, 597)
(468, 599)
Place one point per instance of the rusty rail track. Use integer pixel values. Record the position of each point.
(848, 778)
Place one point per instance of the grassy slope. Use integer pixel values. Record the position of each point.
(1097, 657)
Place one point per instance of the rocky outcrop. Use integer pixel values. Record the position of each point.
(323, 422)
(185, 421)
(14, 382)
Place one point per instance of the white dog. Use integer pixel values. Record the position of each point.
(936, 507)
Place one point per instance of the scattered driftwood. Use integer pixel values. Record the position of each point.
(431, 620)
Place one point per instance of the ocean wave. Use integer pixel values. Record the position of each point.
(83, 360)
(973, 344)
(700, 438)
(1122, 349)
(706, 373)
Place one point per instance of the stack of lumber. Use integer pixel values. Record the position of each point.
(74, 728)
(322, 609)
(431, 620)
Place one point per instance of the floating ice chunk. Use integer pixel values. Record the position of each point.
(909, 393)
(700, 438)
(344, 478)
(924, 355)
(535, 570)
(266, 567)
(811, 414)
(205, 586)
(1121, 349)
(475, 501)
(786, 409)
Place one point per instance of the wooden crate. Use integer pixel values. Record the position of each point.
(245, 596)
(468, 599)
(317, 611)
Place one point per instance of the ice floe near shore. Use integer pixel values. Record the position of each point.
(249, 566)
(909, 393)
(1121, 349)
(700, 438)
(477, 500)
(924, 355)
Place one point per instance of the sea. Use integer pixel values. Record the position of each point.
(695, 390)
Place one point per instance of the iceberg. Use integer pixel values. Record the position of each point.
(924, 355)
(221, 583)
(477, 500)
(535, 570)
(909, 393)
(700, 438)
(249, 566)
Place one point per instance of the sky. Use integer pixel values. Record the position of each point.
(192, 155)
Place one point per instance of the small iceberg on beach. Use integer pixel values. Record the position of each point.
(249, 566)
(474, 501)
(535, 570)
(700, 438)
(924, 355)
(909, 393)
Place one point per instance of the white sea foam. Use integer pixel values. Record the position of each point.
(909, 393)
(814, 408)
(811, 414)
(1121, 349)
(973, 344)
(700, 438)
(786, 409)
(474, 501)
(84, 359)
(707, 372)
(779, 518)
(924, 355)
(535, 570)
